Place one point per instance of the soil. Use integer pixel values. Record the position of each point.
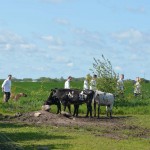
(106, 127)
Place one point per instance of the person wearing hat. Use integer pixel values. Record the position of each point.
(67, 83)
(6, 88)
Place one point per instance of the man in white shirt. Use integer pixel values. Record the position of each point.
(67, 83)
(6, 88)
(85, 84)
(93, 83)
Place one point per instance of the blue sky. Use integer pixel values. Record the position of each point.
(58, 38)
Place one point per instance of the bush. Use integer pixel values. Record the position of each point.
(106, 76)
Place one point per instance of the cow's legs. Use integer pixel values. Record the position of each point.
(111, 114)
(111, 107)
(89, 110)
(98, 110)
(58, 108)
(109, 111)
(64, 107)
(76, 108)
(69, 108)
(87, 113)
(94, 109)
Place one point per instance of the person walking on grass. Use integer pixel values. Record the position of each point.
(6, 88)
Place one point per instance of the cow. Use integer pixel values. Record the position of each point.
(67, 97)
(82, 97)
(103, 99)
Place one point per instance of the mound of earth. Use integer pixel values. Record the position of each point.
(104, 126)
(65, 119)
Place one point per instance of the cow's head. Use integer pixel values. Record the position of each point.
(52, 99)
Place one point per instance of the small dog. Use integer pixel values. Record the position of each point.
(17, 96)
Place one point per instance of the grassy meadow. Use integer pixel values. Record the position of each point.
(32, 137)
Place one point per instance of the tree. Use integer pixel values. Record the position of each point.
(106, 76)
(89, 77)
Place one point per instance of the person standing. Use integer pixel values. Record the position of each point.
(137, 87)
(120, 85)
(67, 83)
(86, 84)
(6, 88)
(93, 83)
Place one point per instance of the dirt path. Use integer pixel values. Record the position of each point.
(112, 128)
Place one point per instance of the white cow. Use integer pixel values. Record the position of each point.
(103, 99)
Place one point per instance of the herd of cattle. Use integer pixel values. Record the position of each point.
(66, 97)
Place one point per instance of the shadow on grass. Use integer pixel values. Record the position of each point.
(48, 147)
(7, 144)
(8, 140)
(26, 136)
(11, 125)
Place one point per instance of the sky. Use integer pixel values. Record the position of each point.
(61, 38)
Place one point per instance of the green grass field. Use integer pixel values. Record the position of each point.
(32, 137)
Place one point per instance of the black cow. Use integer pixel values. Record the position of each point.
(71, 96)
(68, 97)
(55, 99)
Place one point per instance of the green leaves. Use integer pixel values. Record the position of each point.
(107, 78)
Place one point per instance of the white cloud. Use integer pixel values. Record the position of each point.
(140, 9)
(27, 46)
(70, 64)
(61, 59)
(131, 36)
(87, 38)
(133, 40)
(134, 57)
(10, 37)
(48, 38)
(117, 68)
(7, 46)
(54, 43)
(55, 48)
(62, 21)
(53, 40)
(10, 41)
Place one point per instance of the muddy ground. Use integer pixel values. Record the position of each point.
(112, 128)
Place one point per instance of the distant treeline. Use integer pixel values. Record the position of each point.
(47, 79)
(43, 79)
